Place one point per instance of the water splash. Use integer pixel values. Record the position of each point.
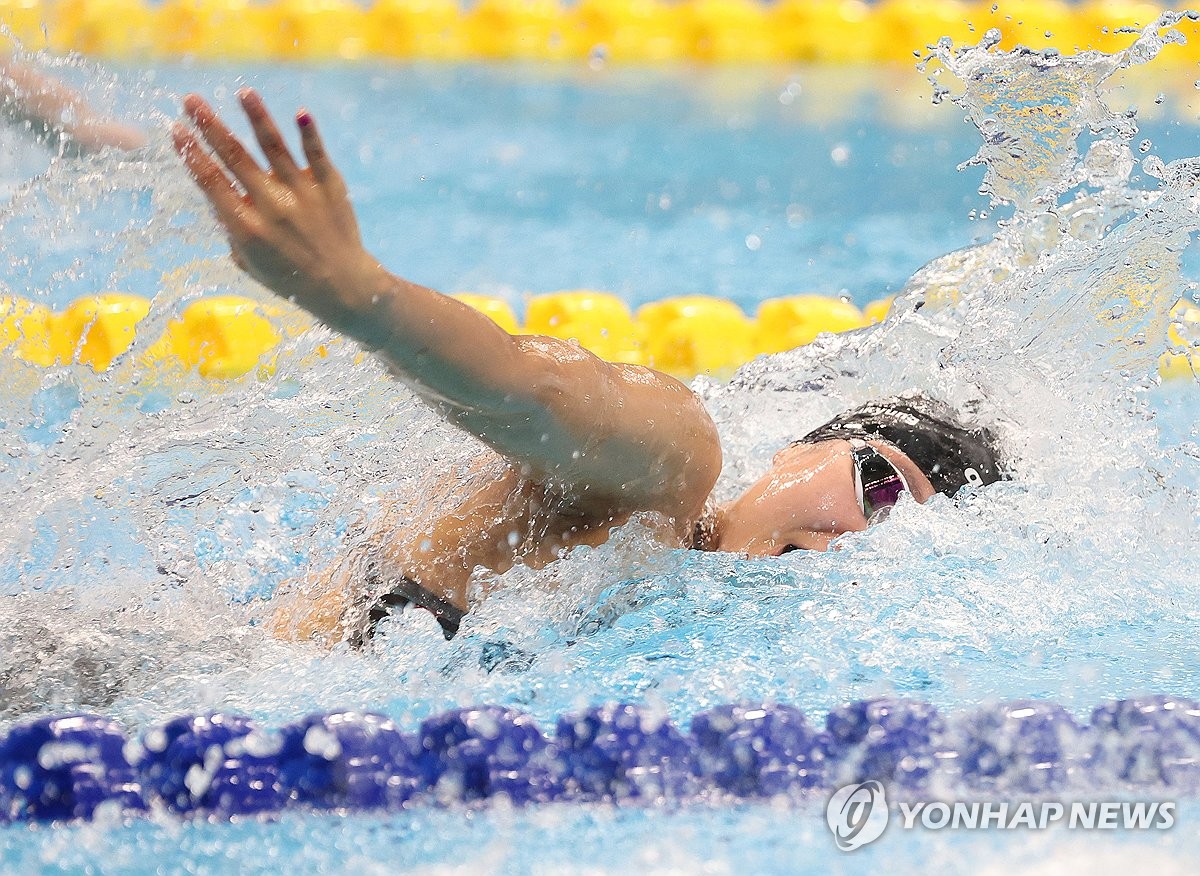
(159, 510)
(1030, 107)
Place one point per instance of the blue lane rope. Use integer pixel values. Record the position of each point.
(73, 767)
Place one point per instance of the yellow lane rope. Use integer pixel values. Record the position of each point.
(637, 31)
(226, 336)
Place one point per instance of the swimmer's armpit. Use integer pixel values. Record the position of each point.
(58, 114)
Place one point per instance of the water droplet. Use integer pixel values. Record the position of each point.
(318, 741)
(753, 242)
(155, 740)
(23, 777)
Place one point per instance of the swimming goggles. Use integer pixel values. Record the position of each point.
(877, 482)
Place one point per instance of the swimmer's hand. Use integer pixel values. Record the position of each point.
(291, 228)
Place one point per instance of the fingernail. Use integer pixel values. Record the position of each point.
(304, 119)
(245, 94)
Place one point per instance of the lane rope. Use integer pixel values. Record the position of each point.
(633, 31)
(80, 767)
(228, 336)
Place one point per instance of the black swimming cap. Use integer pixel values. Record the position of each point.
(926, 431)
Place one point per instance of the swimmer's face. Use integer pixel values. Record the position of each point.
(806, 500)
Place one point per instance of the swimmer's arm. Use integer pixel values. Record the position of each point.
(28, 95)
(612, 438)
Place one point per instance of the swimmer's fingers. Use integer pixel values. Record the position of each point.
(209, 176)
(322, 168)
(269, 138)
(227, 147)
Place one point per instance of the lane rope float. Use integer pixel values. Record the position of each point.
(81, 767)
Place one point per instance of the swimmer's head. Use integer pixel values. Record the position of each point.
(953, 456)
(845, 475)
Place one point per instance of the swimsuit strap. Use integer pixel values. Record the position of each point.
(408, 592)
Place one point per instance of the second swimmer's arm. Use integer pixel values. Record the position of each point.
(614, 438)
(26, 94)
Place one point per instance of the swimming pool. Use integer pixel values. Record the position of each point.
(747, 184)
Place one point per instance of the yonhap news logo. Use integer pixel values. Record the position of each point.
(858, 814)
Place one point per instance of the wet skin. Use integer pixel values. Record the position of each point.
(806, 500)
(586, 444)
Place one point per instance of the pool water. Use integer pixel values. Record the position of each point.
(149, 515)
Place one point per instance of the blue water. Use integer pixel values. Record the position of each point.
(756, 839)
(521, 181)
(649, 183)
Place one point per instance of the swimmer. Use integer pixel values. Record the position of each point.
(586, 444)
(58, 114)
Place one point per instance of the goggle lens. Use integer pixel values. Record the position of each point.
(879, 483)
(878, 500)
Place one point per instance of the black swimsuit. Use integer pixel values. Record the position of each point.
(409, 592)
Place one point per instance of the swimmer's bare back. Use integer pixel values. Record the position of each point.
(588, 443)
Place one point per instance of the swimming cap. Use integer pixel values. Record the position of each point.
(951, 455)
